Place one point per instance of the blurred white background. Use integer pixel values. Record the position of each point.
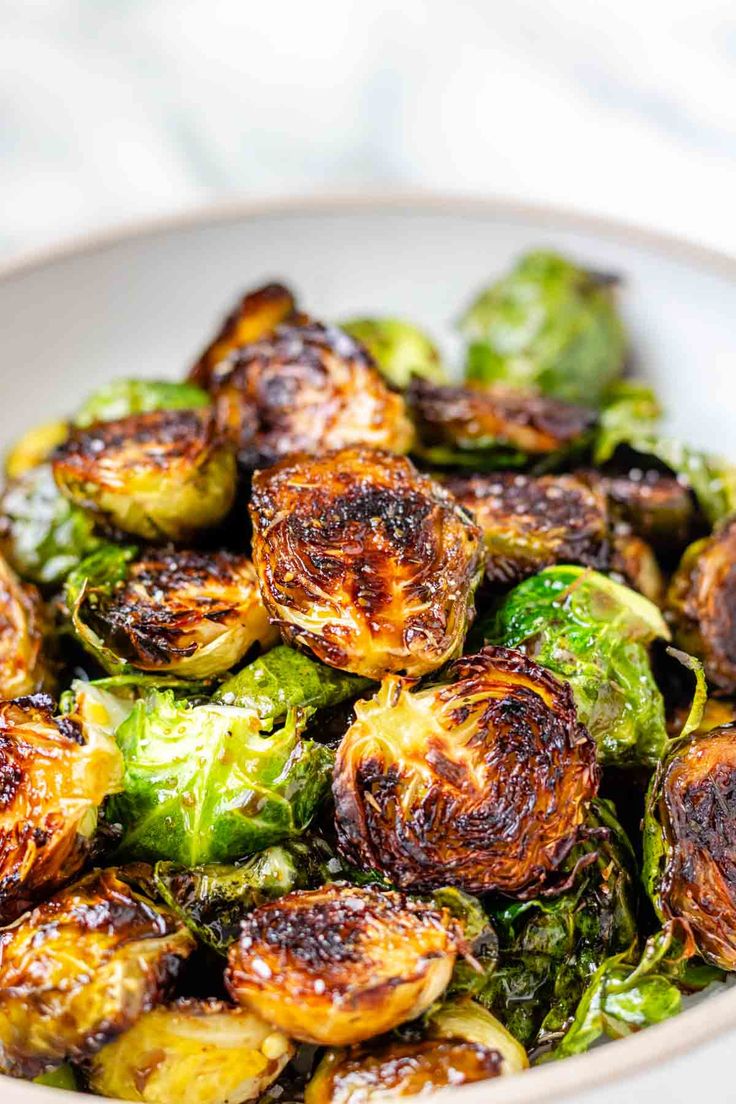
(115, 109)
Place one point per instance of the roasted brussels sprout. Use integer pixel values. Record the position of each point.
(194, 614)
(34, 448)
(307, 389)
(81, 968)
(204, 784)
(481, 781)
(191, 1052)
(23, 630)
(400, 349)
(690, 841)
(464, 1044)
(124, 397)
(702, 604)
(594, 633)
(464, 426)
(337, 965)
(547, 324)
(53, 778)
(165, 474)
(364, 561)
(533, 523)
(42, 534)
(258, 313)
(285, 679)
(634, 562)
(657, 507)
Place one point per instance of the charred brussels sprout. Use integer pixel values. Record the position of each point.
(657, 507)
(307, 389)
(702, 603)
(463, 1044)
(464, 426)
(124, 397)
(34, 448)
(205, 784)
(337, 965)
(400, 349)
(285, 679)
(530, 523)
(192, 1052)
(364, 561)
(81, 968)
(23, 632)
(481, 781)
(595, 634)
(257, 314)
(635, 564)
(547, 324)
(162, 475)
(193, 614)
(690, 841)
(54, 777)
(42, 534)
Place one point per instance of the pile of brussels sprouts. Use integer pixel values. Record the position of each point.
(363, 732)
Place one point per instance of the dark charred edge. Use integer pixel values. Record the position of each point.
(179, 433)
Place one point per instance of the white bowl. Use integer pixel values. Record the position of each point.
(142, 302)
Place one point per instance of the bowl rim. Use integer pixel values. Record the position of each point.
(711, 1018)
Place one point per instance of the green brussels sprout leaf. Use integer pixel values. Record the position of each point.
(400, 349)
(124, 397)
(63, 1077)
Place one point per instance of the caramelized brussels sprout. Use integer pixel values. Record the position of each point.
(204, 784)
(364, 561)
(547, 324)
(481, 781)
(165, 474)
(702, 603)
(52, 782)
(493, 428)
(400, 349)
(533, 523)
(258, 313)
(81, 968)
(307, 388)
(34, 448)
(463, 1044)
(594, 633)
(23, 630)
(192, 1052)
(633, 560)
(337, 965)
(195, 614)
(285, 679)
(124, 397)
(658, 507)
(690, 841)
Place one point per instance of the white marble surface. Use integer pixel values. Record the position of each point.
(113, 109)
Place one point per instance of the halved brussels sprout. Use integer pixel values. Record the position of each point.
(54, 778)
(23, 631)
(307, 388)
(690, 841)
(337, 965)
(594, 633)
(192, 1052)
(81, 968)
(213, 899)
(547, 324)
(124, 397)
(463, 1044)
(702, 603)
(658, 507)
(467, 426)
(481, 781)
(258, 313)
(364, 561)
(34, 448)
(161, 475)
(194, 614)
(633, 560)
(400, 349)
(204, 784)
(42, 534)
(285, 679)
(530, 523)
